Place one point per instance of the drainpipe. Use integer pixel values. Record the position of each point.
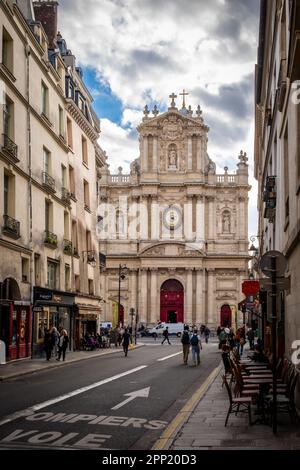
(27, 55)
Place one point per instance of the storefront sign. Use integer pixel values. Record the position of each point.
(56, 298)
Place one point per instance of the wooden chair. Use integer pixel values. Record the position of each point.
(237, 405)
(286, 402)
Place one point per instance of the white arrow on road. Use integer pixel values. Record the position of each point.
(144, 393)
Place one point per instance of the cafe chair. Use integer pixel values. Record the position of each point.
(237, 405)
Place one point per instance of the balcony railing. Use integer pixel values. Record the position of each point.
(50, 239)
(48, 181)
(68, 248)
(11, 227)
(10, 147)
(66, 195)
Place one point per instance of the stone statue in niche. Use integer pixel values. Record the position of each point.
(226, 223)
(172, 158)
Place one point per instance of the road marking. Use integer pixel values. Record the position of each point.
(166, 439)
(47, 403)
(144, 393)
(168, 357)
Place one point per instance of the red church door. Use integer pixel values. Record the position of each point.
(226, 315)
(172, 302)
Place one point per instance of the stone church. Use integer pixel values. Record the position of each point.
(174, 232)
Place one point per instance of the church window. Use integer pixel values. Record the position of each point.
(119, 223)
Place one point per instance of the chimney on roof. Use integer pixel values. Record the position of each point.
(45, 11)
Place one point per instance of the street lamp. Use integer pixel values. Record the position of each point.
(123, 271)
(132, 314)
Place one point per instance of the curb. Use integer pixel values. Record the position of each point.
(168, 436)
(4, 378)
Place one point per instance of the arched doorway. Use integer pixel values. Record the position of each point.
(226, 316)
(172, 302)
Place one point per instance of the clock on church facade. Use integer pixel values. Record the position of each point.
(179, 227)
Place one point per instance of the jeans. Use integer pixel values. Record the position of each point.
(196, 354)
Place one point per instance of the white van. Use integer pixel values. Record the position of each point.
(174, 329)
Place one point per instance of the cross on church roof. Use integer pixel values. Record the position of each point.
(173, 96)
(183, 94)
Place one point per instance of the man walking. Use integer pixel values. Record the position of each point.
(185, 340)
(196, 345)
(126, 340)
(166, 335)
(206, 334)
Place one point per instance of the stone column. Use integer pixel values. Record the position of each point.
(155, 153)
(144, 216)
(190, 153)
(211, 297)
(199, 153)
(143, 296)
(200, 219)
(189, 296)
(133, 289)
(200, 304)
(188, 219)
(154, 219)
(154, 314)
(145, 154)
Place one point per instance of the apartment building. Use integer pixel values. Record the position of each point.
(49, 270)
(277, 157)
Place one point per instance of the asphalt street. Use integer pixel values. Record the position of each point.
(109, 402)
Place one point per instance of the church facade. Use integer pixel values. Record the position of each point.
(174, 232)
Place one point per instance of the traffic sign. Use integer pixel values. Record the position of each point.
(282, 283)
(266, 262)
(250, 287)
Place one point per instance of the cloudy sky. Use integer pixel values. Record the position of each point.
(137, 52)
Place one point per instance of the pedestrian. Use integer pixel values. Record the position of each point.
(196, 346)
(251, 336)
(126, 341)
(166, 335)
(185, 340)
(55, 340)
(62, 345)
(48, 344)
(206, 334)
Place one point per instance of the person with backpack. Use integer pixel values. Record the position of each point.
(166, 335)
(196, 345)
(185, 340)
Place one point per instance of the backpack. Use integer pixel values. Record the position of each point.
(185, 338)
(194, 340)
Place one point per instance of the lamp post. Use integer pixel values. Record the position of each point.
(132, 314)
(123, 271)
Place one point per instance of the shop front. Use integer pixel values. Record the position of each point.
(51, 309)
(87, 322)
(15, 321)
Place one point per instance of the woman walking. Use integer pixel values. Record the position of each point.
(62, 345)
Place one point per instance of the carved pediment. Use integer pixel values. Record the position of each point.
(178, 250)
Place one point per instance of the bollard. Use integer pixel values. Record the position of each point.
(2, 353)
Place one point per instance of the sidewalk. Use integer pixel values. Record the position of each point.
(22, 367)
(204, 428)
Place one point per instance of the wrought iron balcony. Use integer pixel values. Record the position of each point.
(48, 181)
(10, 147)
(50, 239)
(11, 227)
(68, 247)
(66, 195)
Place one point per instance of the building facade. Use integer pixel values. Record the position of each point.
(180, 228)
(277, 158)
(41, 258)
